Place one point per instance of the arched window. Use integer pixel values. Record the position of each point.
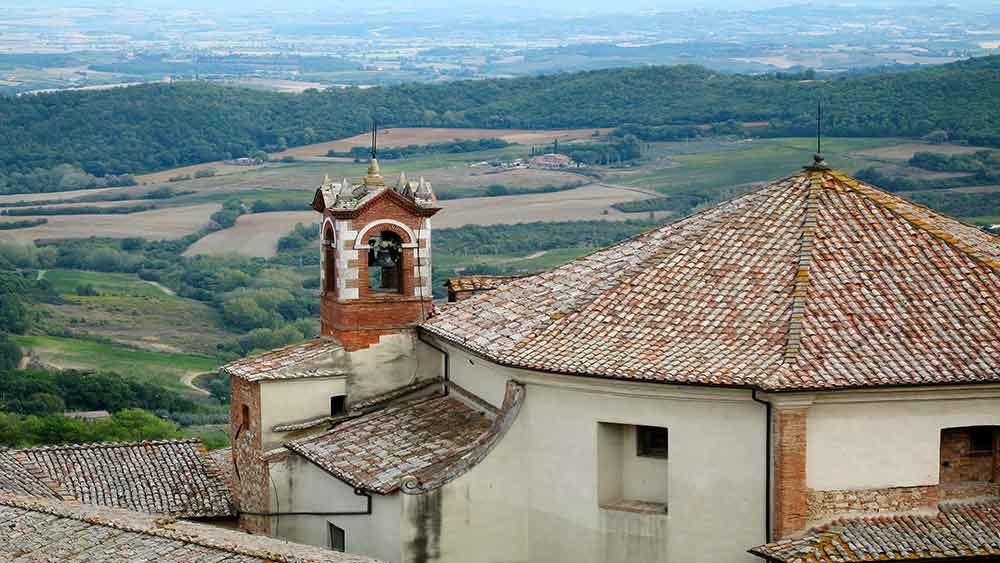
(385, 263)
(329, 260)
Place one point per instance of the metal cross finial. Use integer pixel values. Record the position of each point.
(819, 126)
(374, 137)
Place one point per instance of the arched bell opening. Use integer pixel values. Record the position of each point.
(329, 260)
(385, 263)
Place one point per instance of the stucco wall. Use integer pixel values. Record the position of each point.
(301, 486)
(535, 497)
(877, 440)
(397, 360)
(286, 401)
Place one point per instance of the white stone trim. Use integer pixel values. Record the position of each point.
(422, 291)
(349, 293)
(360, 243)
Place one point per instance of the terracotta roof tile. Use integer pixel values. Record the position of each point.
(376, 451)
(958, 530)
(313, 358)
(175, 478)
(53, 531)
(17, 478)
(815, 281)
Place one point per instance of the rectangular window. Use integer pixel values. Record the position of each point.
(651, 441)
(982, 440)
(338, 539)
(338, 405)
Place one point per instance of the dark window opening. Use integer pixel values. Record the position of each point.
(981, 440)
(385, 263)
(329, 262)
(338, 538)
(245, 422)
(651, 441)
(338, 405)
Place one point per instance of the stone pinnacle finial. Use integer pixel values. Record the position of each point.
(819, 163)
(374, 176)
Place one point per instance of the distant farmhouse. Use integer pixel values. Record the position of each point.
(757, 380)
(552, 160)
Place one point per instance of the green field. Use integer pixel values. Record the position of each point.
(66, 282)
(710, 165)
(159, 368)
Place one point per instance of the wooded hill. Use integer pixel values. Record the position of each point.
(158, 126)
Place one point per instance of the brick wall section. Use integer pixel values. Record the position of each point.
(790, 493)
(359, 322)
(824, 505)
(958, 464)
(252, 473)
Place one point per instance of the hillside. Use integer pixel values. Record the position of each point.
(158, 126)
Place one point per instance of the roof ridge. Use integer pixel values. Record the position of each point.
(103, 445)
(800, 285)
(885, 199)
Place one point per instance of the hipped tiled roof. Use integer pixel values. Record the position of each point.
(815, 281)
(313, 358)
(175, 477)
(54, 531)
(376, 451)
(959, 530)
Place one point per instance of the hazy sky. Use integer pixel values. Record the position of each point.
(562, 7)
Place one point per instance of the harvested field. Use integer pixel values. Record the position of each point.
(165, 223)
(907, 150)
(165, 175)
(258, 234)
(255, 234)
(6, 199)
(403, 136)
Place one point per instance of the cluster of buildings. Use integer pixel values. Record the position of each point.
(808, 373)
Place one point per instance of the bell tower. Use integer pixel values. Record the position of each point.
(375, 256)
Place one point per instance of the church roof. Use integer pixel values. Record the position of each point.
(415, 445)
(958, 530)
(170, 477)
(54, 531)
(815, 281)
(312, 358)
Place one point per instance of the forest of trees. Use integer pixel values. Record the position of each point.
(157, 126)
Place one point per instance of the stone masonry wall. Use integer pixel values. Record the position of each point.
(825, 505)
(251, 470)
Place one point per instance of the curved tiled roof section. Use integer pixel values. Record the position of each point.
(312, 358)
(20, 477)
(815, 281)
(169, 477)
(958, 530)
(415, 446)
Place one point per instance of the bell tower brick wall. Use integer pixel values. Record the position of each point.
(350, 311)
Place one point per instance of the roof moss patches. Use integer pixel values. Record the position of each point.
(957, 530)
(59, 531)
(170, 477)
(808, 283)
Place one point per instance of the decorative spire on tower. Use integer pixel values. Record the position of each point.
(819, 163)
(374, 176)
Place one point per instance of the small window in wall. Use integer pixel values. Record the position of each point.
(338, 405)
(245, 420)
(632, 468)
(651, 441)
(981, 440)
(338, 539)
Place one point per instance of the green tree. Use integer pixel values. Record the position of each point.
(14, 316)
